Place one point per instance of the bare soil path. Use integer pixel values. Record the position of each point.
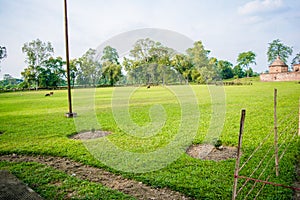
(130, 187)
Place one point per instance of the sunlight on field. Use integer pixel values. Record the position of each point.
(34, 124)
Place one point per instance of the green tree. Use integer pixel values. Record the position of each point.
(202, 70)
(277, 48)
(238, 71)
(183, 66)
(150, 62)
(296, 59)
(74, 65)
(53, 74)
(160, 59)
(245, 59)
(198, 55)
(250, 72)
(89, 69)
(110, 54)
(111, 69)
(111, 72)
(9, 82)
(37, 52)
(144, 67)
(142, 50)
(225, 69)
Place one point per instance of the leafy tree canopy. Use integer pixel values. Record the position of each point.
(225, 69)
(277, 48)
(198, 55)
(111, 69)
(89, 69)
(149, 62)
(110, 54)
(37, 52)
(245, 59)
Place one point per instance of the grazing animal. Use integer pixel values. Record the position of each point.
(46, 95)
(148, 86)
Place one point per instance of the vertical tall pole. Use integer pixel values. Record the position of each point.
(275, 132)
(238, 157)
(70, 113)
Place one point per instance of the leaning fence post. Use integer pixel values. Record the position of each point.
(237, 162)
(275, 132)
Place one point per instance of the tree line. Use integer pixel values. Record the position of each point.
(149, 62)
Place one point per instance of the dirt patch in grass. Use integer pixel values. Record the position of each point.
(93, 174)
(209, 152)
(86, 135)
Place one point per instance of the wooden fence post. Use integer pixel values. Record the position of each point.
(275, 133)
(238, 157)
(299, 120)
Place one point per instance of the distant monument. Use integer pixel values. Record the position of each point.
(278, 71)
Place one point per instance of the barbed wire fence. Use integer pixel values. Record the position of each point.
(249, 181)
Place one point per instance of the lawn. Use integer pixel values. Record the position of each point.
(33, 124)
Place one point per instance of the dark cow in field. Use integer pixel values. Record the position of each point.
(49, 94)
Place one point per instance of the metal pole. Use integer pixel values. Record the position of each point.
(70, 113)
(275, 133)
(238, 157)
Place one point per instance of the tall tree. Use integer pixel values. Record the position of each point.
(74, 66)
(160, 59)
(53, 74)
(138, 62)
(245, 59)
(296, 59)
(37, 52)
(202, 70)
(225, 69)
(142, 49)
(111, 69)
(238, 71)
(111, 72)
(198, 55)
(183, 66)
(277, 48)
(89, 70)
(150, 62)
(110, 54)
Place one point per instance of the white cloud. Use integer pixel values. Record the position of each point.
(261, 6)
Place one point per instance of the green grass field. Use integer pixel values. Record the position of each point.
(34, 124)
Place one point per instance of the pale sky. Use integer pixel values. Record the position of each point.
(226, 27)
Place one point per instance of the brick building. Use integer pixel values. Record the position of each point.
(278, 66)
(278, 71)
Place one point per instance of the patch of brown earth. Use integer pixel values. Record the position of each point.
(90, 135)
(209, 152)
(130, 187)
